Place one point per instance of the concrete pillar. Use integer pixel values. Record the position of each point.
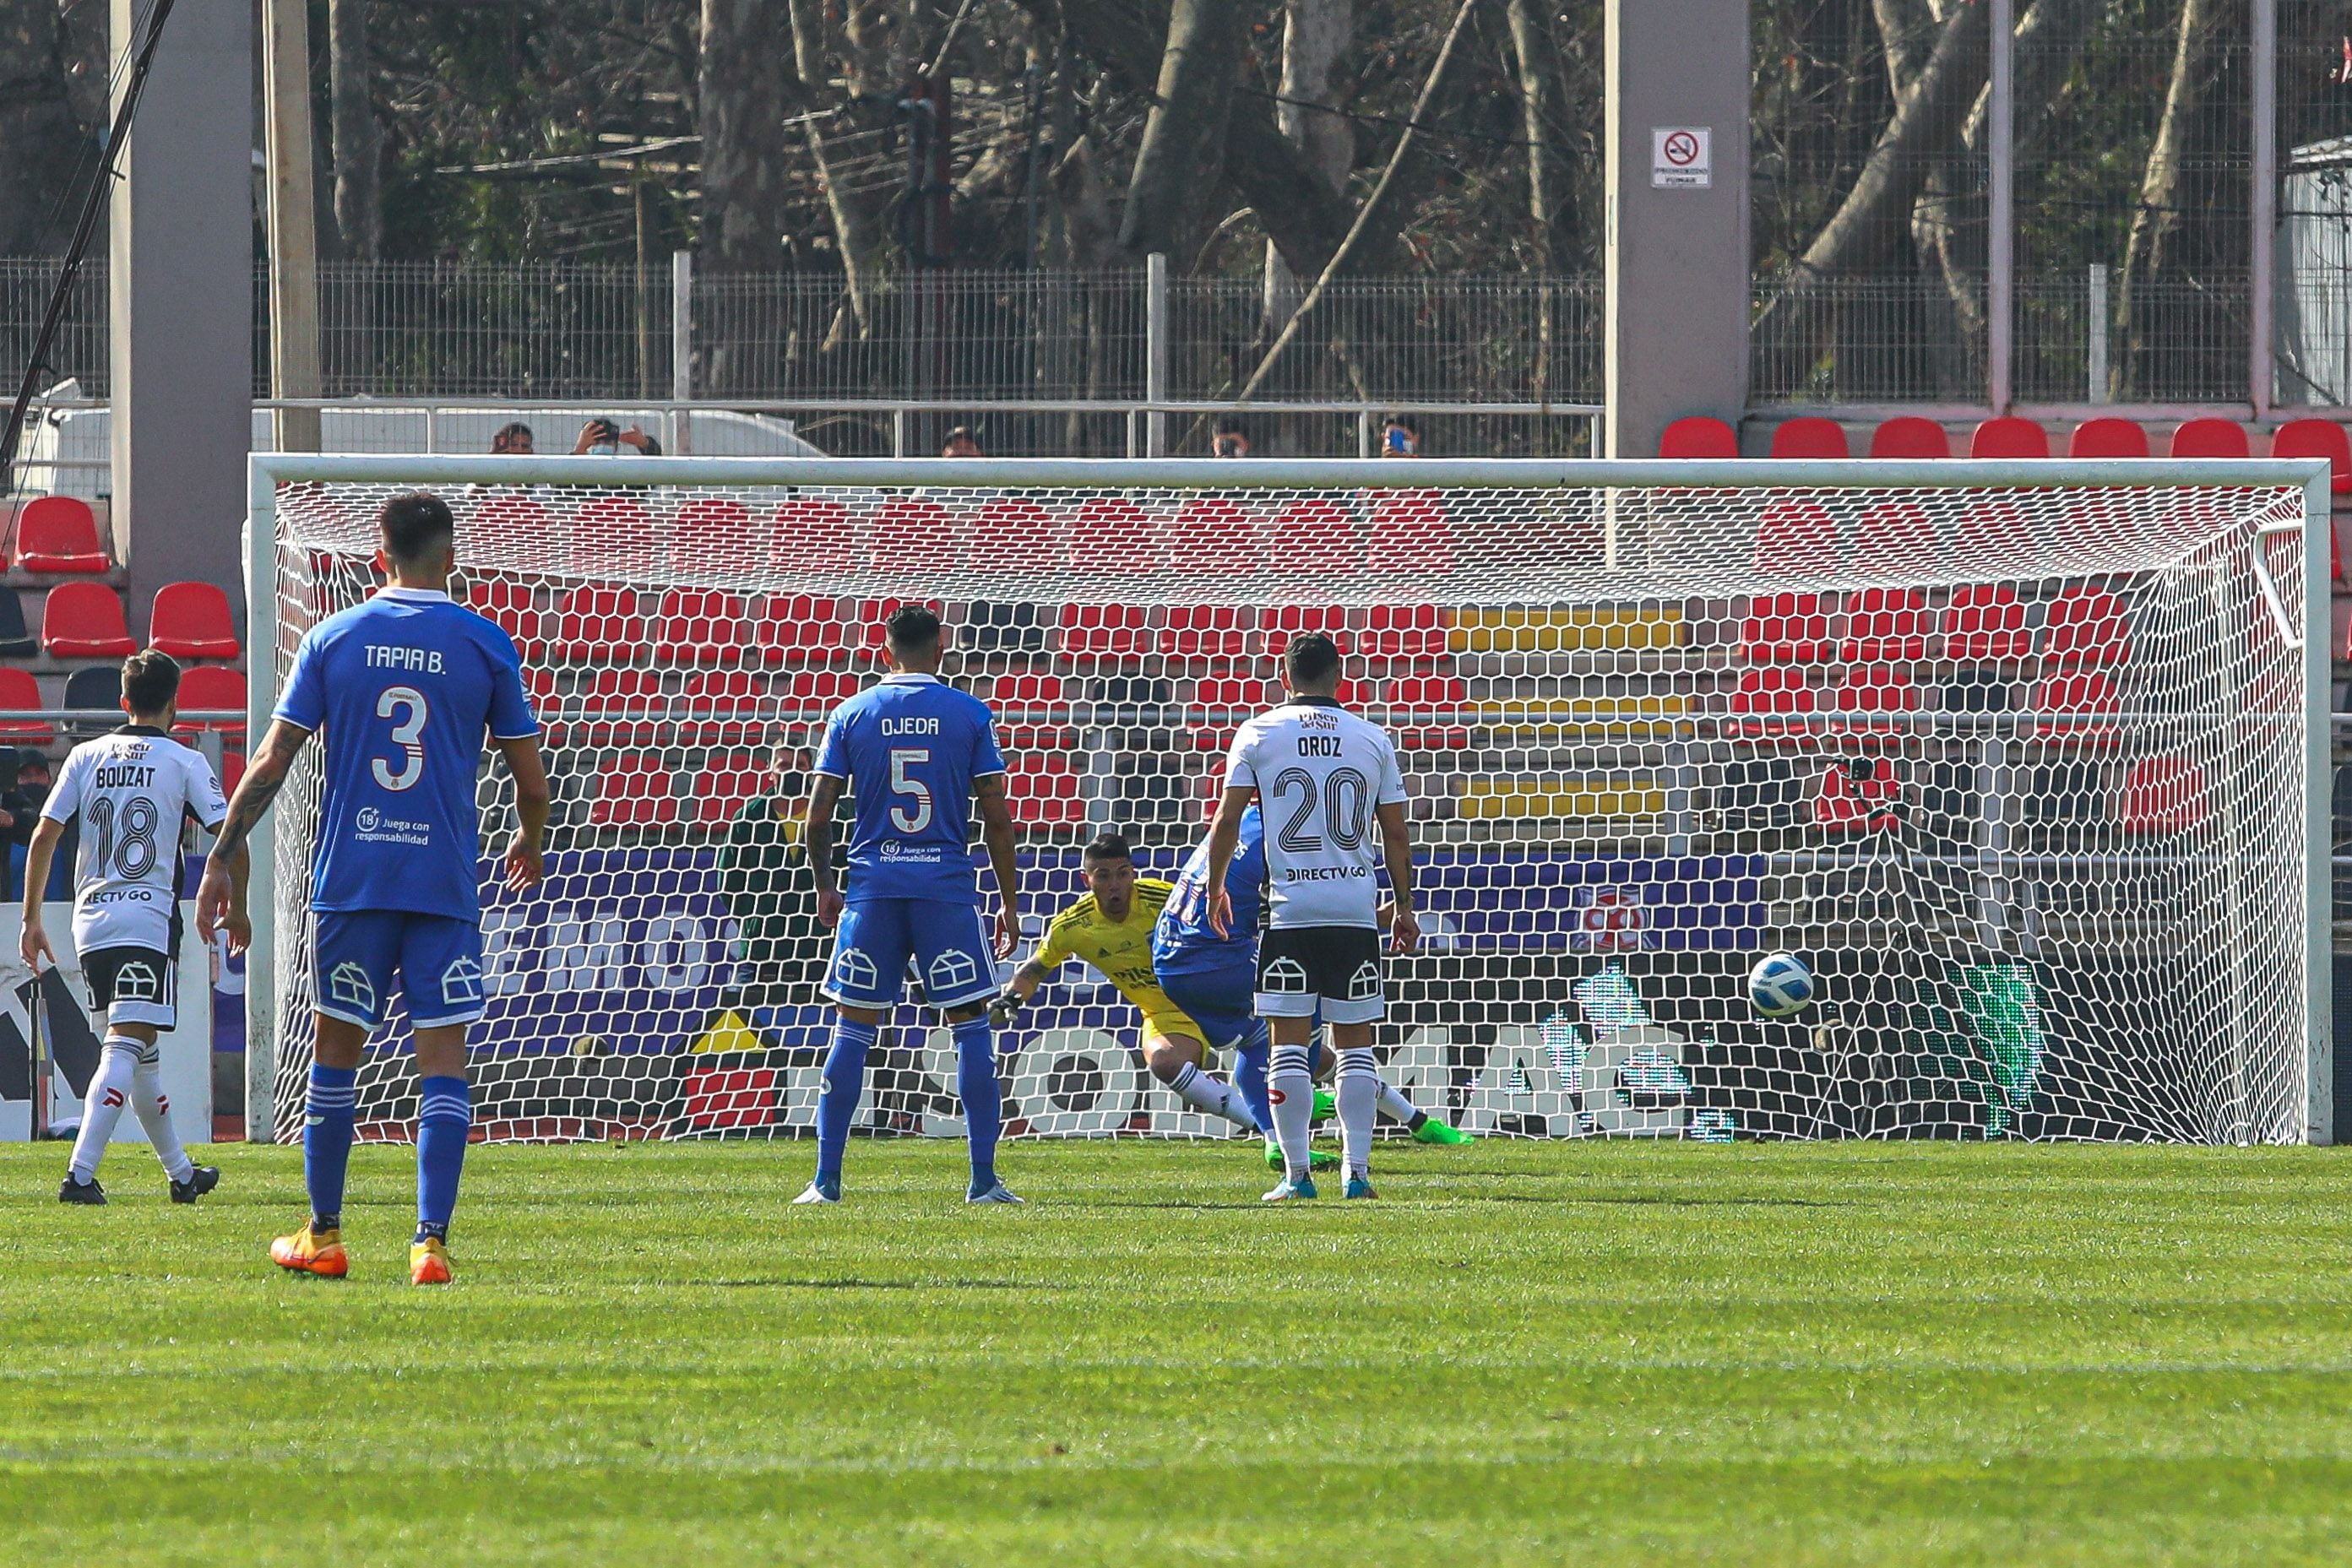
(181, 302)
(1678, 195)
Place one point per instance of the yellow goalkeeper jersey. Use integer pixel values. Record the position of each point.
(1120, 950)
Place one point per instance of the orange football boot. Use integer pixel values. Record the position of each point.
(428, 1262)
(307, 1251)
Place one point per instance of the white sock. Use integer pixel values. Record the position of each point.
(102, 1107)
(155, 1115)
(1359, 1095)
(1395, 1106)
(1291, 1087)
(1202, 1092)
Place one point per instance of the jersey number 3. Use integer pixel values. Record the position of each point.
(406, 733)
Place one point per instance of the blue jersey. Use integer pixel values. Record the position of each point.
(1183, 943)
(911, 747)
(403, 688)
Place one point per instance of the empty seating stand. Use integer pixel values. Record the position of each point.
(84, 620)
(193, 620)
(60, 534)
(1699, 436)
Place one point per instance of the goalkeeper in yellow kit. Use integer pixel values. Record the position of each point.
(1109, 927)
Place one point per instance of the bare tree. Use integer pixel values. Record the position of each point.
(1315, 35)
(1179, 163)
(36, 125)
(2146, 253)
(359, 200)
(742, 89)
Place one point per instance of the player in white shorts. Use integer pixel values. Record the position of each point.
(1334, 802)
(134, 790)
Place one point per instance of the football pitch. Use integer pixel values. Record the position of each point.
(1523, 1353)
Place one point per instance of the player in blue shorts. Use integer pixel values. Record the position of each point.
(403, 688)
(1213, 979)
(922, 754)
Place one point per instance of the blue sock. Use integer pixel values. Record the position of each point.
(327, 1138)
(844, 1085)
(1249, 1077)
(443, 1121)
(983, 1103)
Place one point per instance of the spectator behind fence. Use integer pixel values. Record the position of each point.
(22, 802)
(963, 442)
(1231, 440)
(605, 438)
(1399, 436)
(513, 440)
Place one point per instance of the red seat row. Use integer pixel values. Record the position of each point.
(2161, 795)
(55, 534)
(207, 688)
(1777, 705)
(1910, 435)
(638, 789)
(1207, 632)
(1982, 623)
(85, 620)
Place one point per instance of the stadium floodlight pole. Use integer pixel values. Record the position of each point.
(118, 136)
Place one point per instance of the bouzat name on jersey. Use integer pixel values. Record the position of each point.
(911, 747)
(403, 688)
(133, 790)
(1321, 773)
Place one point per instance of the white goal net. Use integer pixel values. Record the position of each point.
(2018, 759)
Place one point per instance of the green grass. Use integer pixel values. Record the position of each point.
(1524, 1353)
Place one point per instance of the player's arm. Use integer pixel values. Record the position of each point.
(1050, 956)
(34, 942)
(825, 796)
(1224, 838)
(1396, 853)
(996, 832)
(527, 853)
(222, 891)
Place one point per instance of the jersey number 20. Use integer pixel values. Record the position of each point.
(407, 735)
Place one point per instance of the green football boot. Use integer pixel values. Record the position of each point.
(1432, 1131)
(1317, 1160)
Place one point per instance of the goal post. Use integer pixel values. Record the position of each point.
(2030, 760)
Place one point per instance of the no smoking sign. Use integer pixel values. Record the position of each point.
(1682, 157)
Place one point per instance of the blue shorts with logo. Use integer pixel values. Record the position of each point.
(947, 943)
(1221, 1000)
(437, 958)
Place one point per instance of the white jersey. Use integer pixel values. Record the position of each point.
(1319, 771)
(134, 790)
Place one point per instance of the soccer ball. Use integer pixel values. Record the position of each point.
(1781, 986)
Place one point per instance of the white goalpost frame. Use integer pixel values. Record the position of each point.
(267, 471)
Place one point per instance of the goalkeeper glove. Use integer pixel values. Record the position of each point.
(1005, 1007)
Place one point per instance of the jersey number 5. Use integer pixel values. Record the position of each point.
(915, 819)
(405, 735)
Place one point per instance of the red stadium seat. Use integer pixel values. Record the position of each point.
(509, 513)
(807, 691)
(2076, 709)
(600, 624)
(1992, 532)
(702, 626)
(1767, 699)
(2009, 436)
(1403, 631)
(514, 605)
(725, 784)
(1204, 631)
(1428, 694)
(232, 772)
(84, 620)
(1865, 690)
(1214, 534)
(2107, 438)
(916, 533)
(1984, 623)
(803, 628)
(1315, 537)
(1041, 788)
(715, 531)
(635, 790)
(1898, 541)
(726, 694)
(1111, 533)
(1884, 624)
(21, 692)
(1107, 631)
(60, 533)
(1411, 533)
(871, 618)
(213, 688)
(1236, 697)
(2087, 626)
(1809, 436)
(2210, 438)
(1796, 536)
(1697, 435)
(191, 620)
(1857, 797)
(1278, 623)
(1785, 629)
(618, 706)
(2164, 795)
(1908, 435)
(614, 536)
(2317, 438)
(1014, 534)
(813, 533)
(1027, 696)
